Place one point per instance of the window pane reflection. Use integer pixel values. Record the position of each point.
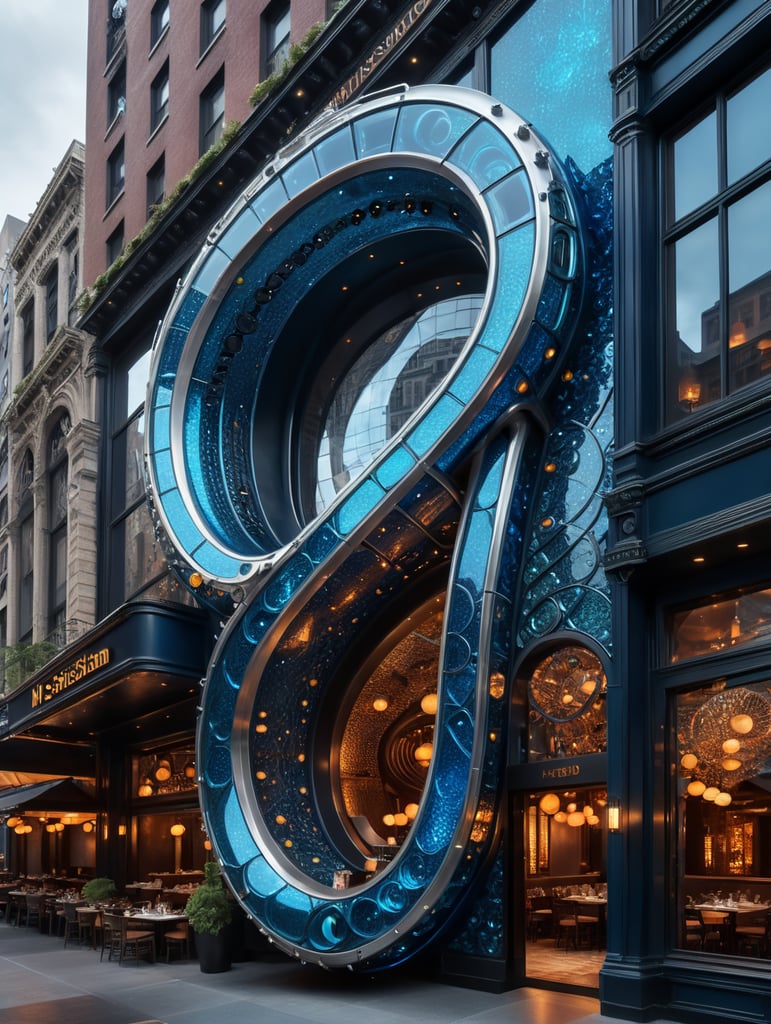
(697, 329)
(749, 266)
(695, 155)
(747, 127)
(718, 625)
(398, 371)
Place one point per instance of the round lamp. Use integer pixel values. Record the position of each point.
(723, 799)
(710, 792)
(145, 787)
(424, 753)
(742, 724)
(380, 704)
(696, 787)
(576, 819)
(163, 770)
(561, 817)
(411, 811)
(549, 803)
(428, 704)
(731, 746)
(178, 829)
(689, 761)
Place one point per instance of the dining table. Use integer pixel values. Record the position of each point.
(158, 918)
(731, 910)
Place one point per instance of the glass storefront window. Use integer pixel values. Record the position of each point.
(716, 258)
(720, 625)
(724, 817)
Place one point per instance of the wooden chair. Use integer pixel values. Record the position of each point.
(89, 924)
(178, 938)
(693, 928)
(33, 909)
(127, 938)
(71, 923)
(715, 923)
(574, 926)
(754, 937)
(539, 917)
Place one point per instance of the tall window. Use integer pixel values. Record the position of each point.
(28, 338)
(275, 33)
(138, 566)
(212, 111)
(116, 94)
(156, 184)
(159, 97)
(717, 257)
(73, 262)
(26, 547)
(114, 246)
(212, 21)
(159, 20)
(52, 301)
(116, 26)
(57, 525)
(116, 173)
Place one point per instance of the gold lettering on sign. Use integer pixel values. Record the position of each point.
(568, 771)
(381, 51)
(83, 666)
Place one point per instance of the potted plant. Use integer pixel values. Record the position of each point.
(99, 890)
(209, 912)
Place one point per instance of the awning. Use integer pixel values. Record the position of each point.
(55, 795)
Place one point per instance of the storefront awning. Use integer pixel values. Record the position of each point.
(53, 795)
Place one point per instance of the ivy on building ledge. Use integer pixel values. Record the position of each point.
(88, 295)
(19, 661)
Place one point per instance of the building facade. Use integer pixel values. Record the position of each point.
(457, 430)
(162, 86)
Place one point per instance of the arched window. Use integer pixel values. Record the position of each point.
(58, 466)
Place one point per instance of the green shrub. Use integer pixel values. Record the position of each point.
(97, 890)
(209, 908)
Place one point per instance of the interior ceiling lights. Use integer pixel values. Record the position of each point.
(725, 741)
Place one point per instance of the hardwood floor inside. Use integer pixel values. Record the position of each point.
(575, 967)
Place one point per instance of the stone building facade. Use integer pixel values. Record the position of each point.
(51, 433)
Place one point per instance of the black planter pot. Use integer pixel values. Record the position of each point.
(213, 952)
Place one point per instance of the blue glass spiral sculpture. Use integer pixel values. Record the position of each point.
(316, 250)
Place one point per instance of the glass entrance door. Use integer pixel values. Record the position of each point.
(566, 892)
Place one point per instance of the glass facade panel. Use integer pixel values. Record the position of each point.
(749, 305)
(747, 127)
(724, 856)
(568, 49)
(386, 385)
(720, 280)
(697, 327)
(143, 559)
(719, 625)
(695, 170)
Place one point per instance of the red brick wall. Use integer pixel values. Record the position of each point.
(237, 48)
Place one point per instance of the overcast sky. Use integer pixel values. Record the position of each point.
(42, 95)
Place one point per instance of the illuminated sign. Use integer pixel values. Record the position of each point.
(378, 55)
(83, 666)
(562, 772)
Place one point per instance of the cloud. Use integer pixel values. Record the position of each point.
(42, 94)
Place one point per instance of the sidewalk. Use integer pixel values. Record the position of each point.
(43, 983)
